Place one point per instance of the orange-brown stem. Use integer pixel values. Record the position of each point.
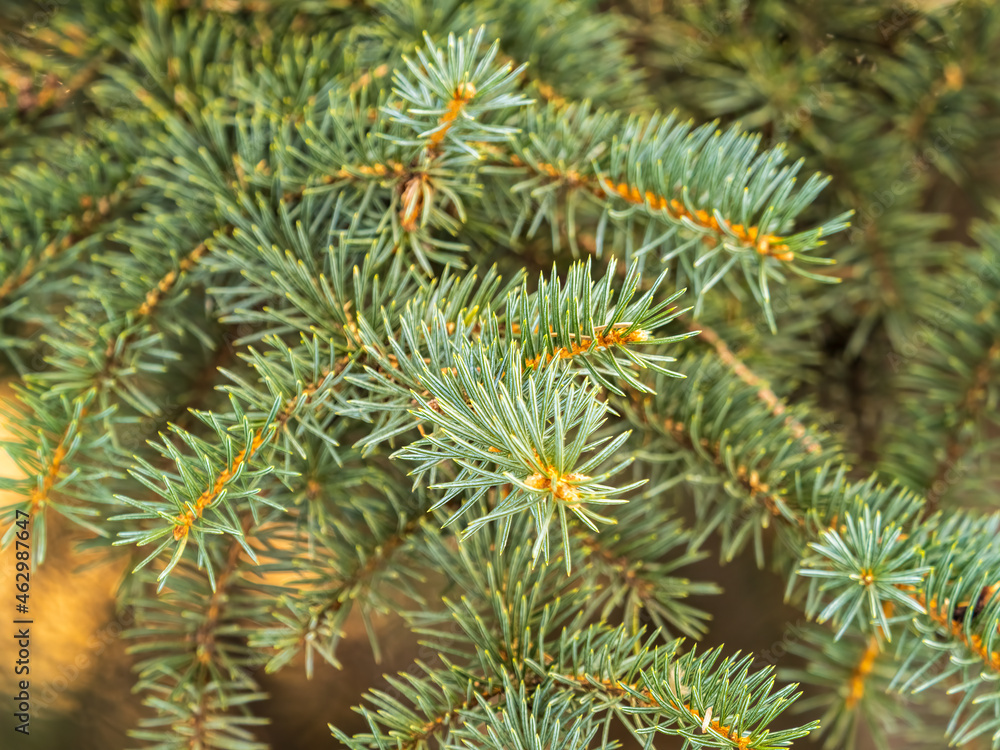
(204, 637)
(767, 244)
(413, 202)
(750, 480)
(604, 340)
(184, 521)
(620, 689)
(938, 613)
(39, 495)
(775, 405)
(85, 225)
(154, 295)
(462, 95)
(856, 685)
(764, 244)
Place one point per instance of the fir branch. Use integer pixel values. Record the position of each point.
(98, 383)
(956, 639)
(863, 562)
(181, 491)
(464, 405)
(348, 569)
(637, 559)
(842, 523)
(589, 329)
(42, 468)
(851, 678)
(950, 368)
(664, 690)
(336, 216)
(154, 295)
(748, 479)
(81, 227)
(764, 392)
(537, 637)
(478, 413)
(938, 613)
(719, 705)
(602, 186)
(535, 715)
(721, 186)
(643, 698)
(207, 678)
(441, 721)
(104, 378)
(971, 406)
(455, 90)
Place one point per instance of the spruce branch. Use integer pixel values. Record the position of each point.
(354, 564)
(478, 418)
(867, 565)
(530, 721)
(197, 500)
(454, 90)
(645, 161)
(195, 666)
(86, 222)
(532, 432)
(637, 560)
(764, 392)
(255, 176)
(197, 503)
(942, 568)
(51, 215)
(581, 321)
(91, 366)
(951, 365)
(714, 704)
(44, 467)
(853, 674)
(523, 623)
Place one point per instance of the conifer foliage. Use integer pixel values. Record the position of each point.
(447, 311)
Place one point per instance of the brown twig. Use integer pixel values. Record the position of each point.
(774, 404)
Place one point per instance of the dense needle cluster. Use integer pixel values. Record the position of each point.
(318, 312)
